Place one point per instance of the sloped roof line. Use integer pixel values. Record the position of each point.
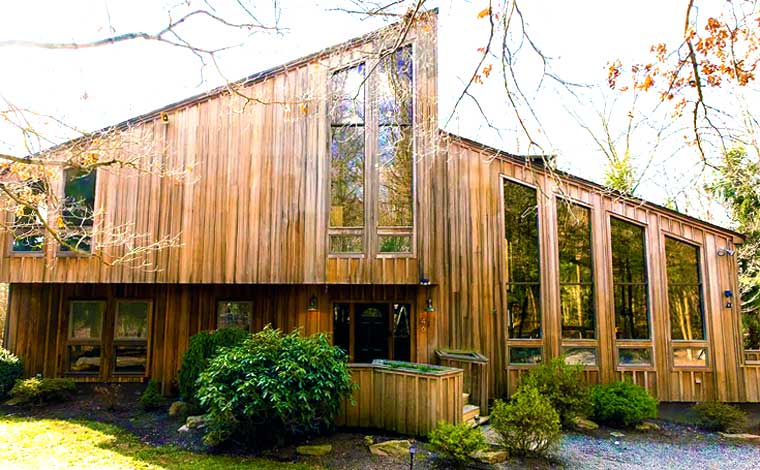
(521, 159)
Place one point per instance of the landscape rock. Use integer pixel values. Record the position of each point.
(647, 426)
(616, 434)
(183, 428)
(583, 424)
(741, 437)
(196, 422)
(399, 448)
(314, 450)
(178, 408)
(491, 456)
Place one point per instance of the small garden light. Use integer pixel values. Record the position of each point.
(412, 451)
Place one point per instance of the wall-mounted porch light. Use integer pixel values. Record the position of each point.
(725, 252)
(429, 305)
(313, 303)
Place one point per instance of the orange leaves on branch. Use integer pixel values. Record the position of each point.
(487, 70)
(613, 73)
(484, 12)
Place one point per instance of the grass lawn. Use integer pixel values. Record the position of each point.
(27, 443)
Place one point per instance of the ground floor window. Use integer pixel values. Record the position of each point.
(234, 313)
(369, 331)
(94, 329)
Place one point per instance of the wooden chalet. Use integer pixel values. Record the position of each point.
(322, 195)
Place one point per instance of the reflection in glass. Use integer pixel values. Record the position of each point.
(520, 355)
(578, 355)
(522, 260)
(130, 359)
(131, 320)
(33, 243)
(86, 320)
(28, 220)
(346, 243)
(395, 87)
(395, 243)
(395, 176)
(690, 357)
(684, 290)
(235, 314)
(629, 276)
(84, 358)
(402, 332)
(342, 326)
(634, 356)
(347, 92)
(575, 270)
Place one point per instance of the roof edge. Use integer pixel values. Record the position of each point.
(499, 153)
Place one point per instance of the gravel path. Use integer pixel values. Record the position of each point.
(674, 447)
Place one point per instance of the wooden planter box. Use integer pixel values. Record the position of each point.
(403, 399)
(475, 366)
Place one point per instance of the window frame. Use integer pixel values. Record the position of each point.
(99, 342)
(649, 342)
(674, 344)
(90, 231)
(12, 237)
(540, 342)
(131, 341)
(219, 302)
(371, 229)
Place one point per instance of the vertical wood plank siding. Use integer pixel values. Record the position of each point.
(246, 192)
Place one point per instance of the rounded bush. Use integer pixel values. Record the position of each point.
(717, 416)
(457, 441)
(564, 386)
(151, 398)
(42, 390)
(273, 387)
(11, 369)
(622, 404)
(203, 346)
(527, 424)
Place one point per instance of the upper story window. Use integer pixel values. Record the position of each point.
(576, 279)
(522, 260)
(28, 230)
(78, 209)
(629, 279)
(371, 157)
(684, 291)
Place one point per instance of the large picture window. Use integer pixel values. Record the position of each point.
(684, 291)
(630, 281)
(576, 278)
(85, 338)
(522, 260)
(78, 210)
(371, 156)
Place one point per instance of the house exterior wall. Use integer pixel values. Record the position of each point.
(245, 190)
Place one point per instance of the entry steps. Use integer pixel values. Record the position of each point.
(471, 413)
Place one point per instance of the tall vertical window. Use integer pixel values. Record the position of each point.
(371, 156)
(130, 336)
(347, 155)
(394, 148)
(576, 278)
(684, 291)
(78, 209)
(28, 231)
(85, 336)
(629, 278)
(522, 260)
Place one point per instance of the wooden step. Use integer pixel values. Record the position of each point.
(474, 423)
(469, 412)
(466, 398)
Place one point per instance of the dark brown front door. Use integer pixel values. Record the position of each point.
(371, 332)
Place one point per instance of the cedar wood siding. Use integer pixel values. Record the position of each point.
(252, 215)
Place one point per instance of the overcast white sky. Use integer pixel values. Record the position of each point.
(97, 87)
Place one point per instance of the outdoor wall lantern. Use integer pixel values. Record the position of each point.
(313, 303)
(429, 305)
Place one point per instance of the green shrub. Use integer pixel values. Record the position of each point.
(151, 397)
(622, 404)
(273, 387)
(457, 441)
(528, 424)
(203, 346)
(717, 416)
(564, 386)
(39, 390)
(11, 369)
